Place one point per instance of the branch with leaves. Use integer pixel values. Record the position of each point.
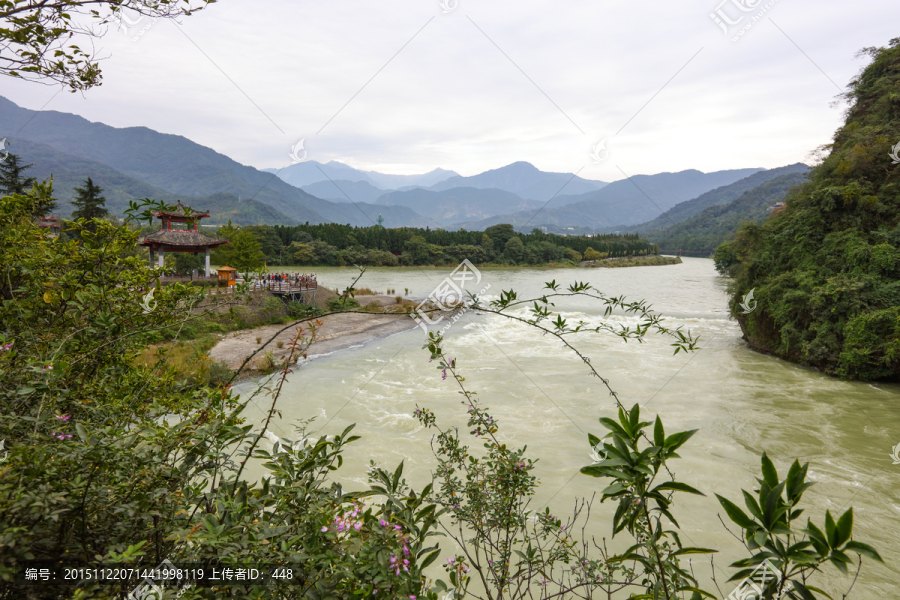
(52, 41)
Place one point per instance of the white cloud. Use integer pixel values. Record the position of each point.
(278, 71)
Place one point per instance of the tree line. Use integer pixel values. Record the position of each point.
(334, 244)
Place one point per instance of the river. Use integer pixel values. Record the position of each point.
(742, 402)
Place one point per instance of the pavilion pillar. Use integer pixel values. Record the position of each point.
(207, 261)
(161, 257)
(151, 257)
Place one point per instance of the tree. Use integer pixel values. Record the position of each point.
(40, 40)
(514, 249)
(824, 270)
(500, 234)
(246, 252)
(89, 204)
(591, 254)
(11, 179)
(573, 255)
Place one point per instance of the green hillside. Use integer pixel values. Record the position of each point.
(826, 271)
(716, 197)
(70, 171)
(705, 231)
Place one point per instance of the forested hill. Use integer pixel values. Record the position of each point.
(826, 271)
(717, 224)
(720, 195)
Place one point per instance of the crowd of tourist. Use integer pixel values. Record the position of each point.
(292, 279)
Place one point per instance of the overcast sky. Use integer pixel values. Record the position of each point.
(401, 86)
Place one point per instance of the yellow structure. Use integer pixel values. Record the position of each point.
(227, 274)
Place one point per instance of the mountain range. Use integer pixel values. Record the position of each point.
(137, 162)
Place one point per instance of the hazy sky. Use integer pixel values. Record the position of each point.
(401, 86)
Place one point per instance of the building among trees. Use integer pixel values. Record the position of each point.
(179, 233)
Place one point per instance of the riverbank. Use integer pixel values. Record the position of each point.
(271, 343)
(630, 261)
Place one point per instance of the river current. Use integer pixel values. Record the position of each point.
(742, 403)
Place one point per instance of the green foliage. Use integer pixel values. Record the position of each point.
(339, 303)
(716, 224)
(334, 244)
(89, 204)
(797, 552)
(514, 249)
(13, 182)
(591, 254)
(42, 39)
(109, 461)
(634, 472)
(298, 310)
(243, 251)
(824, 270)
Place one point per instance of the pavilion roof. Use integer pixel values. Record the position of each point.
(178, 213)
(181, 237)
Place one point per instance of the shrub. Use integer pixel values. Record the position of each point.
(338, 304)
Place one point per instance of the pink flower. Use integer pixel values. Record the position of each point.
(383, 523)
(64, 418)
(324, 529)
(5, 347)
(397, 527)
(356, 526)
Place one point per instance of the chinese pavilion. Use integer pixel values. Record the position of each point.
(179, 233)
(49, 222)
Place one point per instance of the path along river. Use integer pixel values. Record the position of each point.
(742, 403)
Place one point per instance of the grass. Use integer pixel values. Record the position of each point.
(633, 261)
(187, 361)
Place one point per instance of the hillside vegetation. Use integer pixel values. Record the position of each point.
(721, 195)
(717, 224)
(826, 270)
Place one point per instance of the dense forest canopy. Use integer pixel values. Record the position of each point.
(337, 245)
(826, 270)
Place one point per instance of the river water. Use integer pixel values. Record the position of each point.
(742, 402)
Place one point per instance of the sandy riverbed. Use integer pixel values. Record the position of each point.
(336, 333)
